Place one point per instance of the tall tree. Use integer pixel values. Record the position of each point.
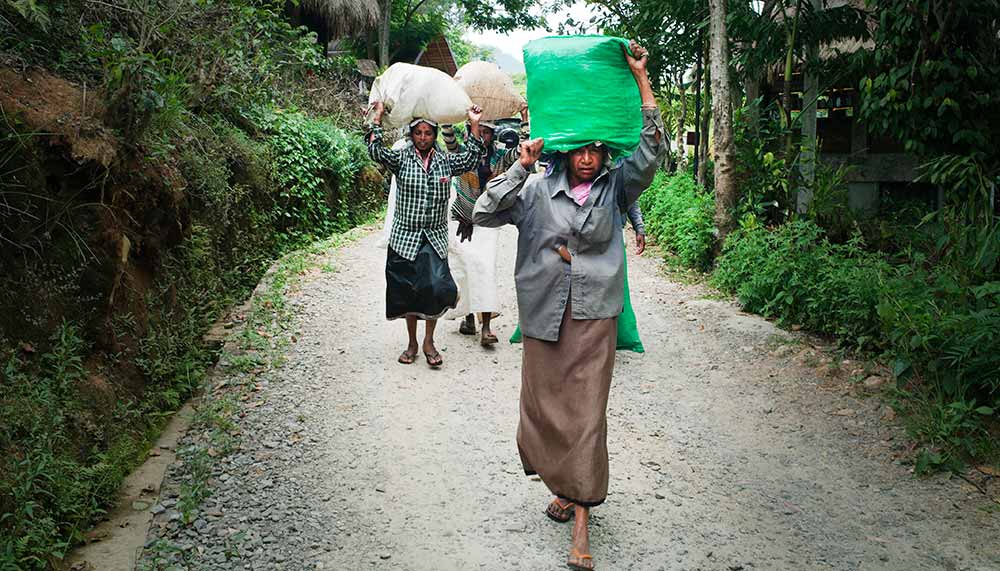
(407, 25)
(726, 195)
(706, 119)
(383, 33)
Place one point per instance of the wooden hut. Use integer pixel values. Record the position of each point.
(438, 55)
(879, 164)
(334, 19)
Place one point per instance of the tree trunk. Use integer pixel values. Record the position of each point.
(370, 44)
(705, 122)
(725, 152)
(786, 92)
(753, 107)
(667, 163)
(697, 104)
(383, 34)
(808, 148)
(682, 156)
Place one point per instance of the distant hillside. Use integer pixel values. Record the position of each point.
(507, 62)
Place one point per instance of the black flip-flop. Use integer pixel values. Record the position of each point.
(434, 361)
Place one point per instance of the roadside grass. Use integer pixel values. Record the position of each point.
(258, 348)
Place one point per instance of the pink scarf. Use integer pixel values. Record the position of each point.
(581, 192)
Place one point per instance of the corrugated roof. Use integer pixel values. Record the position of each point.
(438, 55)
(367, 67)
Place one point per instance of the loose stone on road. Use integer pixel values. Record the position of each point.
(725, 454)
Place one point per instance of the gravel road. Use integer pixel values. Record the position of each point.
(731, 449)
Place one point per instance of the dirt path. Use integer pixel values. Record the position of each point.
(725, 453)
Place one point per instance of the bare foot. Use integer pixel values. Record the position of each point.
(579, 553)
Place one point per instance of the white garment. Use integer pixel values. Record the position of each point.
(473, 266)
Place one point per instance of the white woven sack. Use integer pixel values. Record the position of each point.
(411, 91)
(491, 89)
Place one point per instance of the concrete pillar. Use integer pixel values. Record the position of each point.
(863, 198)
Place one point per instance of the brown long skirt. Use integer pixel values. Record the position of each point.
(563, 432)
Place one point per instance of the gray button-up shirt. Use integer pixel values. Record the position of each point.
(546, 217)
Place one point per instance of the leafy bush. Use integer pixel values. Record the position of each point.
(212, 184)
(51, 489)
(315, 164)
(796, 275)
(942, 335)
(679, 215)
(944, 331)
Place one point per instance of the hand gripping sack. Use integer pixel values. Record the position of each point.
(491, 89)
(581, 90)
(413, 91)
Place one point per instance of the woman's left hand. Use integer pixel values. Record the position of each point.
(475, 114)
(640, 244)
(464, 231)
(638, 58)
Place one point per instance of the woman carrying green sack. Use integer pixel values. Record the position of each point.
(569, 276)
(628, 327)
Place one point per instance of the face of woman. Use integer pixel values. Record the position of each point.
(487, 135)
(423, 136)
(585, 162)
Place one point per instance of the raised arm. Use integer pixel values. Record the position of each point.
(376, 143)
(501, 202)
(465, 161)
(639, 168)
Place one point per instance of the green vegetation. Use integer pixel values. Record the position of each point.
(214, 139)
(940, 337)
(679, 216)
(913, 284)
(937, 329)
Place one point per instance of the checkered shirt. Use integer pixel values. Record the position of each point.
(422, 195)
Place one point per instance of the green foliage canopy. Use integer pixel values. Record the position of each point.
(931, 80)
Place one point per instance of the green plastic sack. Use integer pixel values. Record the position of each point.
(628, 328)
(581, 90)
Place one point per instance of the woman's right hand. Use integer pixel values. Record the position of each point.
(378, 108)
(531, 151)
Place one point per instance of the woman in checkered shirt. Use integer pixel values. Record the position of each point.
(419, 285)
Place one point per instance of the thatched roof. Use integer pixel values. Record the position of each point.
(344, 17)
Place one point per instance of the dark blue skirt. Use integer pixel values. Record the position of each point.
(422, 288)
